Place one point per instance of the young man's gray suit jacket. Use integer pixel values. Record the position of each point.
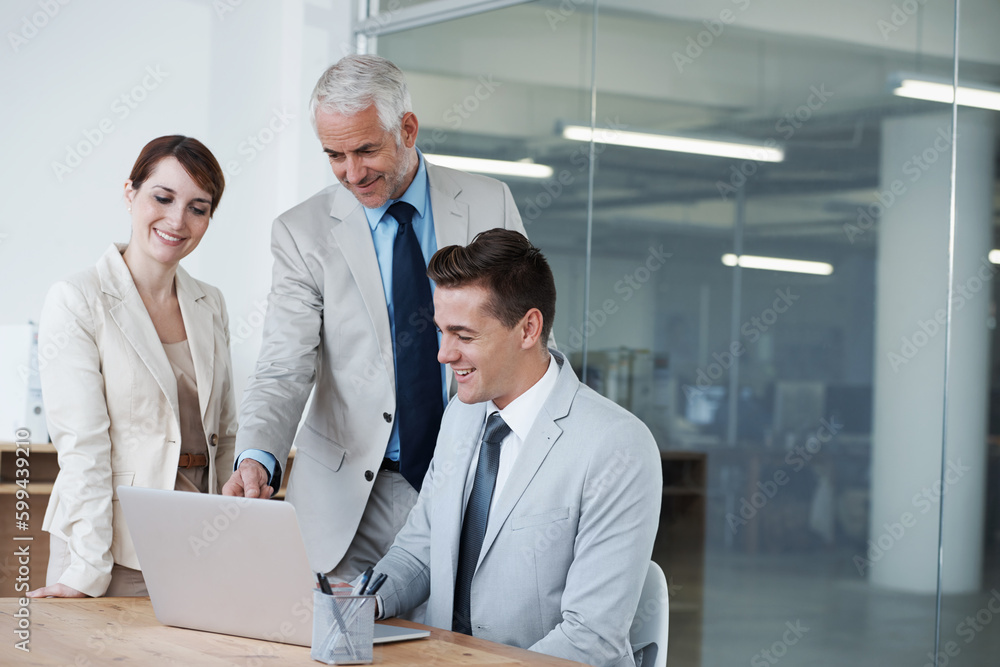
(327, 325)
(568, 540)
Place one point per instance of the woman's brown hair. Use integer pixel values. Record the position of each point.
(197, 161)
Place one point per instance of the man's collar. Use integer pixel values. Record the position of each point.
(416, 194)
(520, 414)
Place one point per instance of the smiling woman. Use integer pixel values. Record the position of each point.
(140, 393)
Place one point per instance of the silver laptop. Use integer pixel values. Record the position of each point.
(236, 566)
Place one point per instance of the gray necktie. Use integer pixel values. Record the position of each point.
(476, 514)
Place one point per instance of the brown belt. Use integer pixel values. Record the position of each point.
(192, 461)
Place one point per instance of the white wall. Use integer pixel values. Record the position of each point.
(225, 71)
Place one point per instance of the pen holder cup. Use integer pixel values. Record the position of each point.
(343, 625)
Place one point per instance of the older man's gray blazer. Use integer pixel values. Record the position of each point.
(327, 326)
(568, 540)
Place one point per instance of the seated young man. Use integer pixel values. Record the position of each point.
(535, 522)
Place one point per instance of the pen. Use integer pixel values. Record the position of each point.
(359, 589)
(377, 584)
(324, 585)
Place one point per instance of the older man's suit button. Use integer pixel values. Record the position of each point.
(387, 417)
(369, 475)
(215, 439)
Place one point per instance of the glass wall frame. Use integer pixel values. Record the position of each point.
(775, 395)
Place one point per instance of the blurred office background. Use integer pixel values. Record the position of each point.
(801, 415)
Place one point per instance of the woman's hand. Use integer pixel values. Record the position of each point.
(56, 591)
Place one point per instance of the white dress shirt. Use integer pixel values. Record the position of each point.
(520, 416)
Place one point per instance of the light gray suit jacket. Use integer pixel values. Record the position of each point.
(327, 325)
(568, 540)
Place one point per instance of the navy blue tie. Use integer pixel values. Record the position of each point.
(419, 400)
(476, 514)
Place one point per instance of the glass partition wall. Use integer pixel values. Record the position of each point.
(767, 248)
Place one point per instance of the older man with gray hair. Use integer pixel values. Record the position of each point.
(350, 319)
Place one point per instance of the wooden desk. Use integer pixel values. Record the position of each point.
(102, 631)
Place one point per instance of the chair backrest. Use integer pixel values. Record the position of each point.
(651, 625)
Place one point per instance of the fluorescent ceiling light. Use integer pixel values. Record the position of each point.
(501, 167)
(995, 256)
(666, 142)
(934, 91)
(778, 264)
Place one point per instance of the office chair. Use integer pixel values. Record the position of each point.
(651, 625)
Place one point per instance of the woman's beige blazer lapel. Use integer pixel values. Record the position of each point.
(133, 319)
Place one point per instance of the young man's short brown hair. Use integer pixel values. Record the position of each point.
(503, 261)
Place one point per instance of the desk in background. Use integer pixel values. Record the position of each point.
(101, 631)
(42, 468)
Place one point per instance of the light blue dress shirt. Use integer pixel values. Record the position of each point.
(383, 230)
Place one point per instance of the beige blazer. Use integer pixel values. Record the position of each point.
(111, 404)
(327, 326)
